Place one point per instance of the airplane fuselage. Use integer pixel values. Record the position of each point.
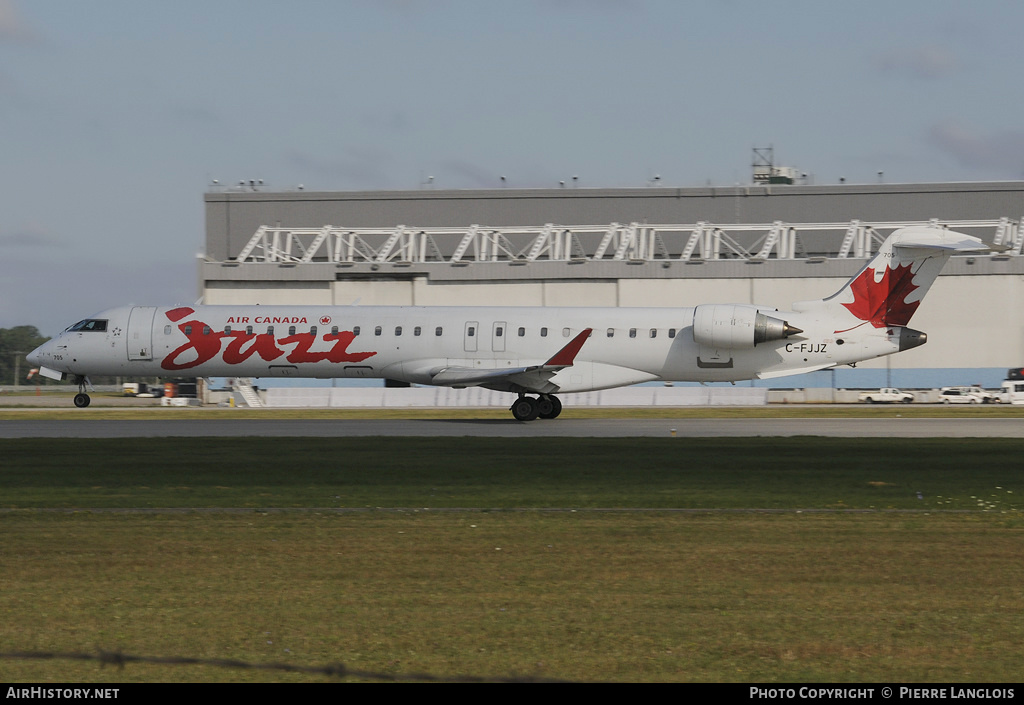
(415, 344)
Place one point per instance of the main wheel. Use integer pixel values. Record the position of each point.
(549, 407)
(525, 409)
(82, 400)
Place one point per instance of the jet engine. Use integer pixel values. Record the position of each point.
(737, 326)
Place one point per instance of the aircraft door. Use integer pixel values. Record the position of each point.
(498, 336)
(472, 333)
(140, 333)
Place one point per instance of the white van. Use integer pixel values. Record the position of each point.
(1012, 391)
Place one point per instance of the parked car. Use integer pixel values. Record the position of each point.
(886, 395)
(966, 395)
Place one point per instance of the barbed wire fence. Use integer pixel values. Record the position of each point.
(338, 671)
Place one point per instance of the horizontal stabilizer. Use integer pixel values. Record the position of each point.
(937, 239)
(793, 371)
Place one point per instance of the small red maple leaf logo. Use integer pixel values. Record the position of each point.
(884, 303)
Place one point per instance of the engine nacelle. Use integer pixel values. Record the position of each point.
(737, 326)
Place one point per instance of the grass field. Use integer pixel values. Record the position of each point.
(554, 558)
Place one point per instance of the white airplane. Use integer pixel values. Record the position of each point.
(533, 352)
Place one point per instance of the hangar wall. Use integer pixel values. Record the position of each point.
(972, 315)
(233, 216)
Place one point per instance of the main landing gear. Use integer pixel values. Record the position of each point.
(544, 406)
(82, 399)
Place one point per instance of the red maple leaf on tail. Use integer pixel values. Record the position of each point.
(884, 303)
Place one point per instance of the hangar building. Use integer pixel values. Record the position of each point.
(766, 244)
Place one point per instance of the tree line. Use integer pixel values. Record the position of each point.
(15, 344)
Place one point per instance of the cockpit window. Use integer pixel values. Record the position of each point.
(88, 324)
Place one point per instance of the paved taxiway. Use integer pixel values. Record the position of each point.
(500, 428)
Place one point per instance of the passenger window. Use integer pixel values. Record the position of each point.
(188, 330)
(654, 332)
(355, 330)
(471, 332)
(565, 332)
(398, 331)
(312, 330)
(611, 332)
(206, 330)
(334, 330)
(270, 330)
(416, 331)
(498, 331)
(248, 330)
(378, 330)
(167, 330)
(671, 332)
(543, 332)
(522, 332)
(291, 330)
(437, 331)
(227, 330)
(632, 332)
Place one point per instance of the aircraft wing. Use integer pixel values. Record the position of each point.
(532, 376)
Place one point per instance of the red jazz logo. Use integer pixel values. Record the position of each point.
(204, 344)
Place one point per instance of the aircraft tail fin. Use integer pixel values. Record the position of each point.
(888, 290)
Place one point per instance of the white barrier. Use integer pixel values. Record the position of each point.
(179, 401)
(429, 397)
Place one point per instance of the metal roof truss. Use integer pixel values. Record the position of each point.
(701, 241)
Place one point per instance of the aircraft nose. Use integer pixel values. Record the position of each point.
(35, 358)
(43, 355)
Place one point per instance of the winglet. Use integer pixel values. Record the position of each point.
(566, 356)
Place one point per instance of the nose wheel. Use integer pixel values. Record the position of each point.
(529, 408)
(82, 399)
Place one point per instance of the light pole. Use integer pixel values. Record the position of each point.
(17, 365)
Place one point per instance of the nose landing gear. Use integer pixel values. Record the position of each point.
(82, 399)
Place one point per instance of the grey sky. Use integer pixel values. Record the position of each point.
(118, 114)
